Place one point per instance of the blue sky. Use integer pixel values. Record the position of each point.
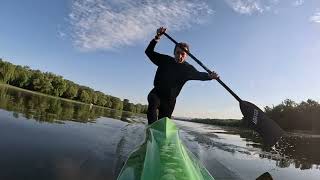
(264, 50)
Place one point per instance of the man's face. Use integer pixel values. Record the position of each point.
(180, 55)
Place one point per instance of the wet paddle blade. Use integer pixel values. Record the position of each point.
(269, 130)
(265, 176)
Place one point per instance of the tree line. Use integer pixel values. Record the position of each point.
(289, 115)
(55, 85)
(296, 116)
(54, 110)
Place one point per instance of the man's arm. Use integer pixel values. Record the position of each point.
(194, 74)
(154, 56)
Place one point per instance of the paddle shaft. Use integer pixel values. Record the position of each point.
(205, 68)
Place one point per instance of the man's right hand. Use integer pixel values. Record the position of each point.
(160, 32)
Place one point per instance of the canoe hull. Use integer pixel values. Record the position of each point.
(163, 156)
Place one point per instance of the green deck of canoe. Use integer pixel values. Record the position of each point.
(163, 157)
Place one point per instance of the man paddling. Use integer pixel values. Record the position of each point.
(171, 75)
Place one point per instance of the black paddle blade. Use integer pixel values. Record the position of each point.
(265, 176)
(269, 130)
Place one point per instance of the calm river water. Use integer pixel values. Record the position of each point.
(49, 138)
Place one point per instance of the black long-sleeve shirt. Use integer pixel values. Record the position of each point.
(171, 75)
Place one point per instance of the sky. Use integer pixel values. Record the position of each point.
(266, 51)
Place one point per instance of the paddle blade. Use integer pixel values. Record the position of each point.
(265, 176)
(269, 130)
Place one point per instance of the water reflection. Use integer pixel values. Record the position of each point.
(66, 143)
(301, 152)
(54, 110)
(49, 138)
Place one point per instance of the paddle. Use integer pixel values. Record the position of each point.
(255, 117)
(265, 176)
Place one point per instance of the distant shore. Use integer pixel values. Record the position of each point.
(60, 98)
(47, 95)
(218, 122)
(238, 123)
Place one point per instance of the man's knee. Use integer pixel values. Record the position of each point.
(153, 99)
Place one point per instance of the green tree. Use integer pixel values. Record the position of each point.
(6, 71)
(101, 99)
(21, 77)
(290, 115)
(126, 105)
(84, 96)
(49, 83)
(117, 104)
(94, 98)
(131, 107)
(71, 92)
(59, 86)
(41, 83)
(108, 103)
(139, 108)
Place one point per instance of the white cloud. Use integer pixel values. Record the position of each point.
(251, 6)
(105, 25)
(315, 18)
(297, 3)
(61, 34)
(245, 6)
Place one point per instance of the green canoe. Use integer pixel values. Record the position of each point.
(163, 156)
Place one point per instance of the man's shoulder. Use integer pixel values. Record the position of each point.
(164, 56)
(187, 65)
(167, 58)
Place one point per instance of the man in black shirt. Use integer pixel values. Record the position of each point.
(171, 75)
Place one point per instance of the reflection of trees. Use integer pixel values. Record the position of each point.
(283, 163)
(126, 116)
(47, 109)
(4, 97)
(67, 111)
(302, 152)
(115, 114)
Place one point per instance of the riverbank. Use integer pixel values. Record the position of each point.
(60, 98)
(238, 123)
(46, 95)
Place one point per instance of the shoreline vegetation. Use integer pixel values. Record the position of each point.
(45, 108)
(41, 94)
(295, 118)
(47, 83)
(291, 116)
(238, 123)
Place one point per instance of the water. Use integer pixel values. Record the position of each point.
(48, 138)
(246, 158)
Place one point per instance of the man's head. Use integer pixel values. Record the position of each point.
(179, 54)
